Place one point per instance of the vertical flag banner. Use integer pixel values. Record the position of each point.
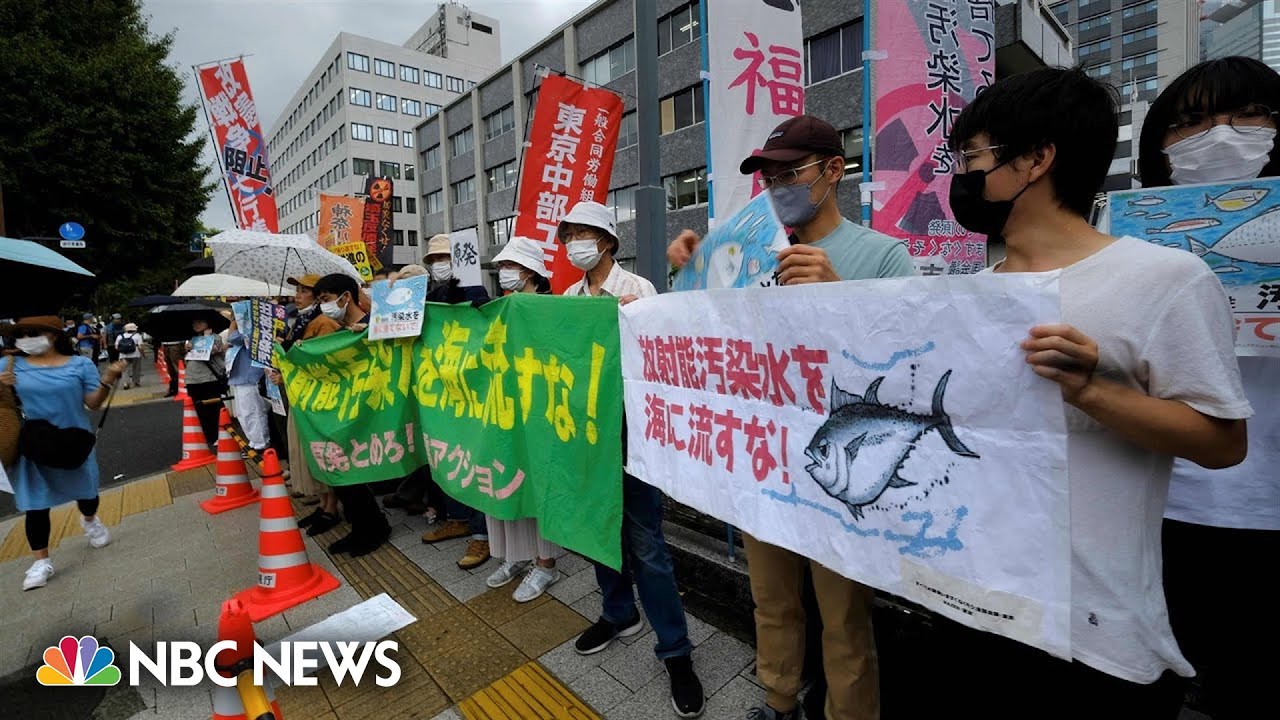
(241, 147)
(569, 159)
(377, 224)
(933, 58)
(341, 220)
(356, 253)
(755, 58)
(268, 324)
(465, 246)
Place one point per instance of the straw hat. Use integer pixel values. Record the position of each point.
(51, 323)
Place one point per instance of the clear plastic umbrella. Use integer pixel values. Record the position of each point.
(274, 258)
(220, 285)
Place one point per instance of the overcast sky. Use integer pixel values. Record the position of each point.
(286, 38)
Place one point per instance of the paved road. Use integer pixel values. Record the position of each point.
(137, 441)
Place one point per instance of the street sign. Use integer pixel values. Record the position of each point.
(71, 231)
(74, 244)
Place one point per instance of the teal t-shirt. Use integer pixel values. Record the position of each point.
(859, 253)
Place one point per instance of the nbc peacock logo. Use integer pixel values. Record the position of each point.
(78, 662)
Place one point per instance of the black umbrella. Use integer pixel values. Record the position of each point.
(203, 266)
(170, 323)
(154, 300)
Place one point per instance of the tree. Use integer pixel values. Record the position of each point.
(93, 129)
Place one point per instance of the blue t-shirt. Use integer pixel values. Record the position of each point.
(55, 394)
(859, 253)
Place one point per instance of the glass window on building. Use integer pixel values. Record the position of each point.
(464, 190)
(461, 143)
(410, 107)
(410, 203)
(412, 238)
(431, 158)
(433, 202)
(363, 98)
(611, 64)
(681, 110)
(386, 102)
(389, 169)
(500, 230)
(397, 204)
(432, 79)
(388, 136)
(397, 235)
(852, 140)
(453, 84)
(407, 139)
(681, 27)
(499, 123)
(361, 166)
(623, 203)
(431, 109)
(409, 74)
(362, 132)
(834, 53)
(629, 132)
(358, 62)
(686, 189)
(409, 172)
(384, 68)
(503, 176)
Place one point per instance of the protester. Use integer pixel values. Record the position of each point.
(110, 332)
(174, 350)
(800, 167)
(54, 385)
(1217, 123)
(521, 268)
(591, 241)
(338, 295)
(251, 408)
(87, 338)
(445, 287)
(1145, 361)
(128, 347)
(207, 380)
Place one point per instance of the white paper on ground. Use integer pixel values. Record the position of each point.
(369, 621)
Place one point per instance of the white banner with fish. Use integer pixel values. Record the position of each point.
(1235, 228)
(889, 429)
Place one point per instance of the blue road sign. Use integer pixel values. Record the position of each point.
(71, 231)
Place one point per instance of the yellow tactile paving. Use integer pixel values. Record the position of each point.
(528, 692)
(64, 522)
(109, 507)
(145, 495)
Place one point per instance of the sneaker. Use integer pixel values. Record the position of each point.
(686, 689)
(764, 712)
(602, 634)
(535, 583)
(97, 533)
(505, 573)
(476, 555)
(449, 530)
(38, 575)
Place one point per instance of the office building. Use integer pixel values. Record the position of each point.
(355, 113)
(1241, 27)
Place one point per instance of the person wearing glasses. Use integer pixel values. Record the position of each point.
(1216, 123)
(800, 168)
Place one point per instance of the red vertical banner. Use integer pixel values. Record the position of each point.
(569, 160)
(241, 147)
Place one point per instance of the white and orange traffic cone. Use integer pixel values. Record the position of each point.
(182, 382)
(195, 449)
(233, 488)
(285, 576)
(162, 370)
(245, 701)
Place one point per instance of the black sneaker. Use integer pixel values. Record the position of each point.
(602, 634)
(323, 524)
(686, 689)
(310, 519)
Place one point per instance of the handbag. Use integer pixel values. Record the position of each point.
(44, 443)
(10, 425)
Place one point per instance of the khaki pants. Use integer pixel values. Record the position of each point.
(848, 645)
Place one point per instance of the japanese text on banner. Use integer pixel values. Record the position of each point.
(233, 117)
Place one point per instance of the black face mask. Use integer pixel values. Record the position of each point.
(972, 210)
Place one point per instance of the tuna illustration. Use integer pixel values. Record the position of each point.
(1236, 199)
(1185, 226)
(884, 435)
(1255, 241)
(1147, 201)
(1158, 216)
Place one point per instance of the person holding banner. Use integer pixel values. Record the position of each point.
(250, 406)
(591, 239)
(445, 287)
(1217, 123)
(801, 166)
(1144, 358)
(207, 380)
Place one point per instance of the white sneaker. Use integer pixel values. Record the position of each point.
(505, 573)
(535, 583)
(38, 575)
(97, 533)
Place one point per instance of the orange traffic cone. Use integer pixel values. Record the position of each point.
(285, 577)
(163, 371)
(182, 382)
(195, 450)
(245, 701)
(234, 489)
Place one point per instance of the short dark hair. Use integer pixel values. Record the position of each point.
(62, 344)
(337, 283)
(1213, 86)
(1062, 107)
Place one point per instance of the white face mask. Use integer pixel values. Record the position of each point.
(333, 310)
(509, 279)
(584, 254)
(441, 271)
(1220, 155)
(38, 345)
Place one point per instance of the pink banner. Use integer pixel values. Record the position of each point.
(242, 149)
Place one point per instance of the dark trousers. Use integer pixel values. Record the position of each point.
(1225, 622)
(172, 356)
(38, 525)
(361, 509)
(207, 412)
(418, 486)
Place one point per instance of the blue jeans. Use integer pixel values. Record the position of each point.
(455, 510)
(646, 559)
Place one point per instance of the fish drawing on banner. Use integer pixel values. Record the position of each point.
(1237, 199)
(1147, 201)
(882, 434)
(1255, 241)
(1182, 226)
(1157, 216)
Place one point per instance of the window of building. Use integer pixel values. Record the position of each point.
(481, 27)
(503, 176)
(412, 235)
(410, 203)
(397, 204)
(500, 230)
(363, 98)
(432, 79)
(361, 166)
(357, 62)
(623, 203)
(629, 131)
(500, 122)
(362, 132)
(834, 53)
(433, 202)
(681, 110)
(431, 158)
(384, 68)
(409, 74)
(397, 236)
(386, 102)
(389, 169)
(611, 64)
(461, 143)
(1092, 23)
(1145, 7)
(464, 190)
(686, 189)
(1138, 62)
(410, 107)
(1096, 47)
(407, 139)
(453, 84)
(1143, 34)
(1099, 71)
(431, 108)
(852, 141)
(389, 136)
(679, 28)
(409, 172)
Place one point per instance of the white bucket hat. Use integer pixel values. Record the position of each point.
(592, 214)
(524, 252)
(439, 245)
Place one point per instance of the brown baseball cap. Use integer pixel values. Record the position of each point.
(796, 138)
(307, 281)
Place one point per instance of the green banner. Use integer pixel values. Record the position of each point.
(516, 406)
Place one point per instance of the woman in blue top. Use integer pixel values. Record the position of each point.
(55, 384)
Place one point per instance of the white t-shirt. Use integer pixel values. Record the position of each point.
(1247, 495)
(1163, 326)
(137, 343)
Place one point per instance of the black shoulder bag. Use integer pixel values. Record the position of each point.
(44, 443)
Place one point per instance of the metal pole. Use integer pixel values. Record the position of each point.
(651, 200)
